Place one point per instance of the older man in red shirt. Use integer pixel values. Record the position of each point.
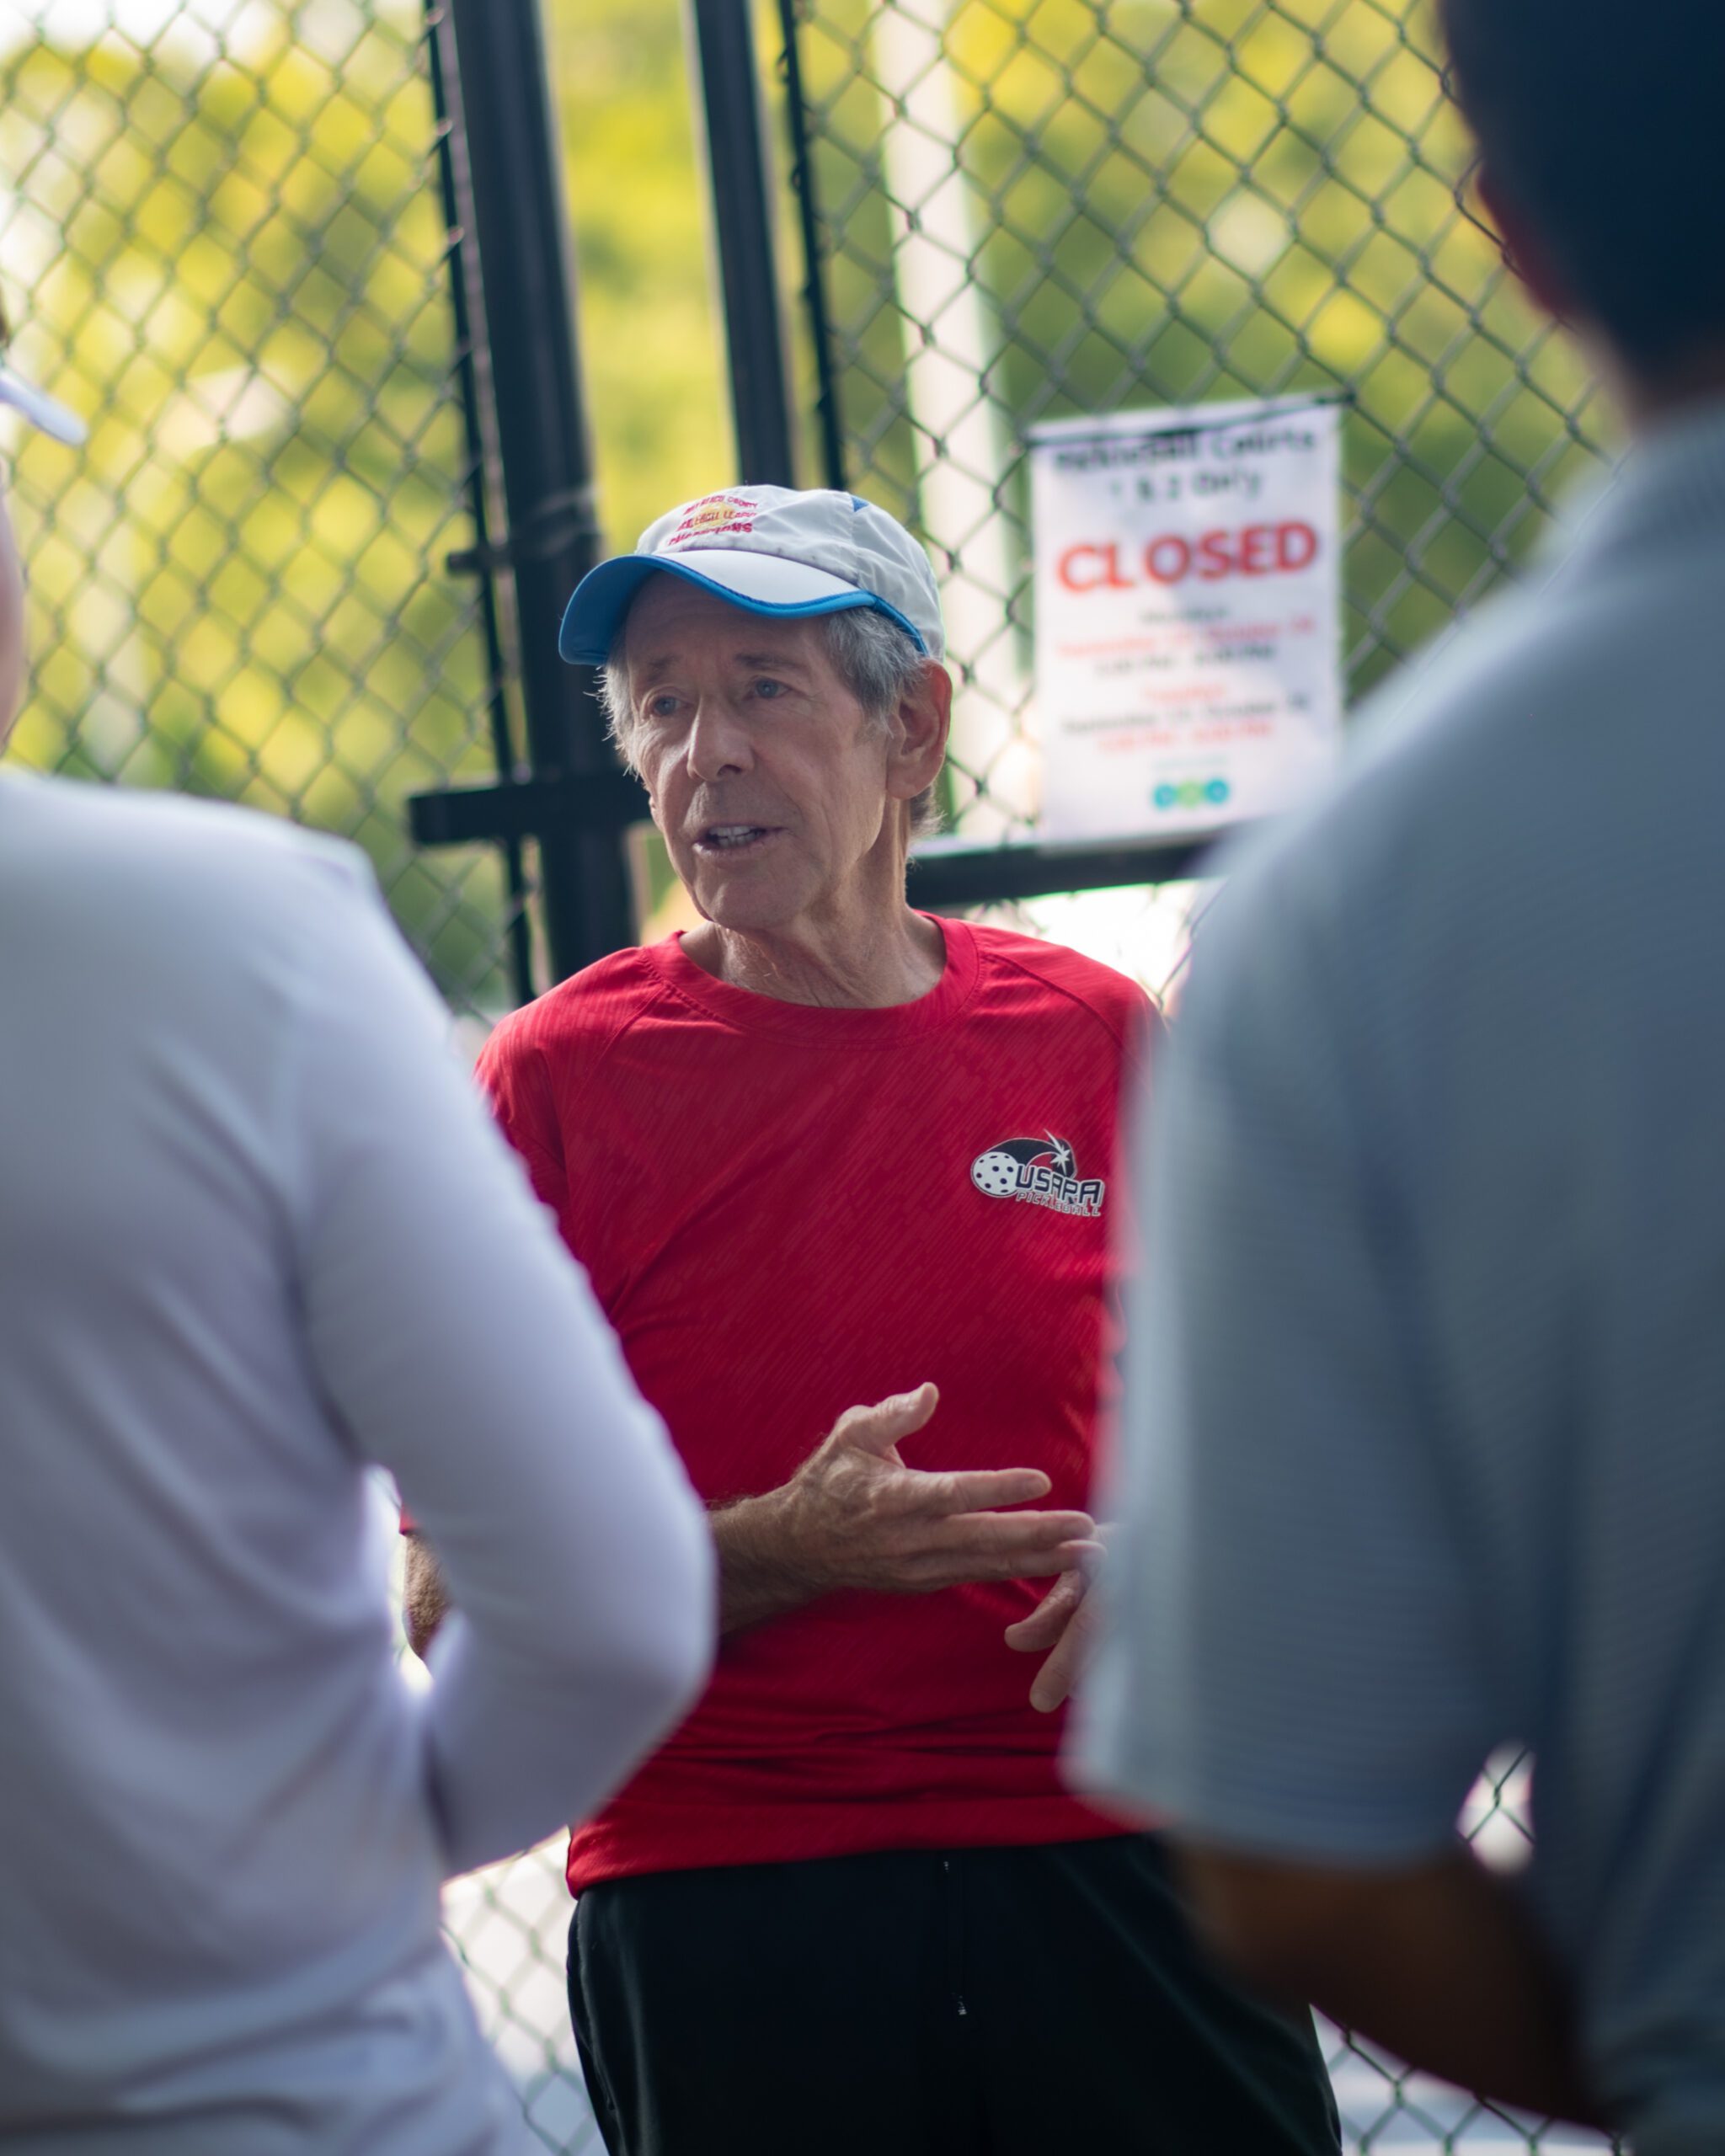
(825, 1149)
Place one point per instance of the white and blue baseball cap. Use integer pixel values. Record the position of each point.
(770, 550)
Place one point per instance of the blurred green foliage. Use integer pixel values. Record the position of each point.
(1173, 200)
(230, 251)
(221, 236)
(651, 340)
(223, 243)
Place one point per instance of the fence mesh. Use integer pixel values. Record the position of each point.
(222, 243)
(1028, 209)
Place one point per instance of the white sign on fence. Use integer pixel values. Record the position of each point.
(1188, 614)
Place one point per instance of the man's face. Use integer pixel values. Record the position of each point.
(767, 776)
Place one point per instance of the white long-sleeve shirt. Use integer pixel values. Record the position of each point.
(257, 1232)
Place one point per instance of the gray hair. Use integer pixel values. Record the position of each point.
(875, 659)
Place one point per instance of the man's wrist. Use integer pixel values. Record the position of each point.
(765, 1568)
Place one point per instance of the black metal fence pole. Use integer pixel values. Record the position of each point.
(461, 269)
(829, 420)
(743, 196)
(528, 281)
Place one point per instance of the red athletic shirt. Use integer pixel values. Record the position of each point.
(787, 1212)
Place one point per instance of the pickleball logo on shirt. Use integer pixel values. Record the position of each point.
(1038, 1171)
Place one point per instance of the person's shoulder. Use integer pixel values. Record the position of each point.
(582, 1016)
(1479, 770)
(137, 856)
(1492, 688)
(122, 822)
(1084, 985)
(1567, 679)
(264, 944)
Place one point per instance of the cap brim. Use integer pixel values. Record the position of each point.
(760, 584)
(39, 409)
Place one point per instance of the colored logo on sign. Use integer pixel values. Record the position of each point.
(1192, 793)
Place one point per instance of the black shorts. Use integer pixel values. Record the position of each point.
(993, 2002)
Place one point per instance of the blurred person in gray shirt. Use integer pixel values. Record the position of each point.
(256, 1232)
(1424, 1441)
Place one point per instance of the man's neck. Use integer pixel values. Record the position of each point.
(898, 962)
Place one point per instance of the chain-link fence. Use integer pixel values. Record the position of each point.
(225, 220)
(222, 241)
(1028, 209)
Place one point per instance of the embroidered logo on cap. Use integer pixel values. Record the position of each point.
(712, 516)
(1038, 1171)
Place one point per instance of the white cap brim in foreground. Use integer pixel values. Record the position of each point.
(39, 409)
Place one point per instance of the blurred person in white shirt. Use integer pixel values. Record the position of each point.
(257, 1233)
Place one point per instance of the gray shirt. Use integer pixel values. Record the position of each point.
(1424, 1439)
(256, 1231)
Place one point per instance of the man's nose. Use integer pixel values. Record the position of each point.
(718, 741)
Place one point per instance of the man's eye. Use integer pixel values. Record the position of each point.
(766, 686)
(661, 707)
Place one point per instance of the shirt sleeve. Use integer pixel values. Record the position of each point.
(1292, 1664)
(514, 1080)
(461, 1346)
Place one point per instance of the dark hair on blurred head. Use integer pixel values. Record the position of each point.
(1600, 122)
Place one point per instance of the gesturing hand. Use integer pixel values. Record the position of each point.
(854, 1515)
(859, 1517)
(1063, 1628)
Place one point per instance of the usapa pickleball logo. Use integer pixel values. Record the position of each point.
(1038, 1171)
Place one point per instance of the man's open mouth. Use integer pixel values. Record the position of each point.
(732, 838)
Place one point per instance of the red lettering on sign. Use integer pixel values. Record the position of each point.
(1213, 559)
(1296, 548)
(1257, 550)
(1076, 572)
(1168, 559)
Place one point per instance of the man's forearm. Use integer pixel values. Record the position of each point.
(1440, 1964)
(759, 1574)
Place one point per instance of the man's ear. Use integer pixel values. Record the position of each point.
(1525, 253)
(917, 746)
